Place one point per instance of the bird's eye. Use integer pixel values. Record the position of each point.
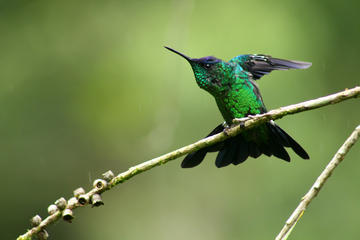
(207, 65)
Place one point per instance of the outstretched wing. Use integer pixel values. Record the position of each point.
(259, 65)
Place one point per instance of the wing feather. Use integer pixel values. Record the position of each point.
(259, 65)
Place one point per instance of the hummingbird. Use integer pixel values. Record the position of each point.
(233, 85)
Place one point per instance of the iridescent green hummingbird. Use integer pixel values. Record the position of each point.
(233, 86)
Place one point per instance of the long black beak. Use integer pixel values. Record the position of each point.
(178, 53)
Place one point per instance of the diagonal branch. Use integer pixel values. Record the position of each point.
(320, 181)
(239, 126)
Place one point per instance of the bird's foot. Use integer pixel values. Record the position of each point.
(242, 122)
(226, 129)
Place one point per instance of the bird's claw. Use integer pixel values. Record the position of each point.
(226, 129)
(242, 122)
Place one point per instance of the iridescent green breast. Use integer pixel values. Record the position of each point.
(241, 99)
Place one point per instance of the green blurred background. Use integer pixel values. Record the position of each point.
(86, 86)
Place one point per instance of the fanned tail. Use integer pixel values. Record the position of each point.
(237, 149)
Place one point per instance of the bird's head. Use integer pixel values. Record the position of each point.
(209, 72)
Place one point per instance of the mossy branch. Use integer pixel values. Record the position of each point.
(320, 181)
(239, 125)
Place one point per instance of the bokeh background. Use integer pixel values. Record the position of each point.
(86, 86)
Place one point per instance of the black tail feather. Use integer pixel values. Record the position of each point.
(195, 158)
(265, 149)
(254, 151)
(242, 151)
(293, 144)
(280, 152)
(227, 154)
(287, 141)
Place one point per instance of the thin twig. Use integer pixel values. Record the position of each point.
(320, 181)
(246, 123)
